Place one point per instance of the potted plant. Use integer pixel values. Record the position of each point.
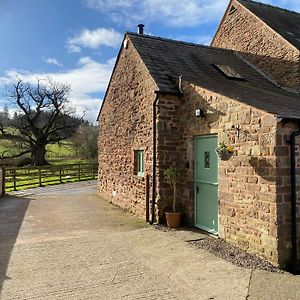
(224, 151)
(172, 176)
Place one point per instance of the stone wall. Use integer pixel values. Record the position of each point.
(247, 182)
(244, 32)
(283, 190)
(125, 126)
(168, 150)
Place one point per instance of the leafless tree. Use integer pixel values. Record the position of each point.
(43, 117)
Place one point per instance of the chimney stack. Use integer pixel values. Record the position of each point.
(140, 28)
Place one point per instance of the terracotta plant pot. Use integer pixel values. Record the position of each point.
(173, 219)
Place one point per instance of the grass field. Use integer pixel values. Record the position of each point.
(8, 147)
(69, 161)
(65, 149)
(63, 153)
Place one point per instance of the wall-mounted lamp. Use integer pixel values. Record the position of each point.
(199, 113)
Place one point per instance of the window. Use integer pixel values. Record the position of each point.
(229, 72)
(206, 159)
(139, 162)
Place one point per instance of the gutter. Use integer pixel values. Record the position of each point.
(295, 270)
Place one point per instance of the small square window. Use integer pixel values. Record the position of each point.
(139, 163)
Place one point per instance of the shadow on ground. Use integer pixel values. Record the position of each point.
(12, 212)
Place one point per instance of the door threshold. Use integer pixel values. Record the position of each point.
(206, 232)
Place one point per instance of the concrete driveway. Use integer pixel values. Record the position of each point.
(64, 242)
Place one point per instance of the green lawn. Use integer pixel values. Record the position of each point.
(7, 146)
(67, 161)
(65, 149)
(57, 154)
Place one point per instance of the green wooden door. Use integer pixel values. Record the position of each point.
(206, 183)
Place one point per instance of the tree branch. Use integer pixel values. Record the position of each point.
(13, 156)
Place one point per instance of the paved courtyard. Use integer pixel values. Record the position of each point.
(64, 242)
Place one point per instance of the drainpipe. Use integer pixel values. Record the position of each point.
(294, 201)
(154, 158)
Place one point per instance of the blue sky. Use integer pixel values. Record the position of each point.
(76, 41)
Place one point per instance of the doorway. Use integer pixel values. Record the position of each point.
(206, 183)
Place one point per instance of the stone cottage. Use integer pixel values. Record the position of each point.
(170, 103)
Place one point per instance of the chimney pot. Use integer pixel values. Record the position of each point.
(140, 28)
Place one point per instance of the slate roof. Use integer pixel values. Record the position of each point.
(284, 22)
(167, 59)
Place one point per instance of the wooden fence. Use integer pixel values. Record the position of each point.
(27, 177)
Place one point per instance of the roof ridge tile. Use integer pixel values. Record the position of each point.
(178, 41)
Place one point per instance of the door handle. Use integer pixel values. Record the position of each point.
(197, 190)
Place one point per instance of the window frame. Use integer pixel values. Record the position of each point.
(229, 72)
(140, 163)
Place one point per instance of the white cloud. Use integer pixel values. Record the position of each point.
(108, 5)
(90, 77)
(94, 39)
(73, 48)
(52, 61)
(174, 13)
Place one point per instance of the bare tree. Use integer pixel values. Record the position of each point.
(43, 118)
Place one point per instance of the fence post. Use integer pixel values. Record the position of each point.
(79, 169)
(60, 180)
(14, 179)
(40, 177)
(3, 181)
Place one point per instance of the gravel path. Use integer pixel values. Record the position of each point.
(235, 255)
